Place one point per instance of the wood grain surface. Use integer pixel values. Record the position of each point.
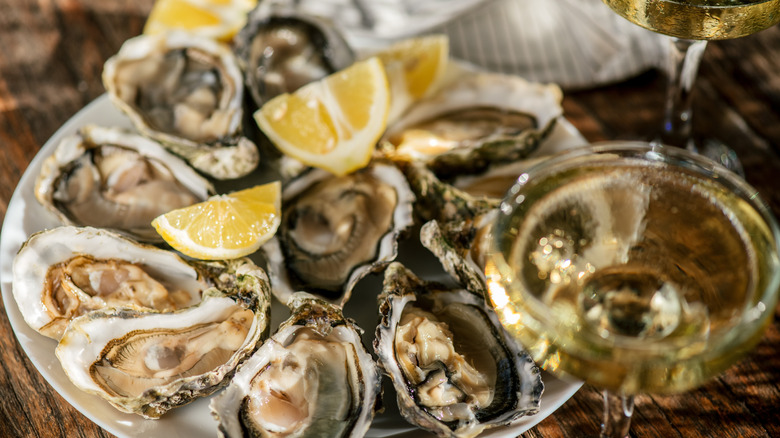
(51, 57)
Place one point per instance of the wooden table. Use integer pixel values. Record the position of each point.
(51, 58)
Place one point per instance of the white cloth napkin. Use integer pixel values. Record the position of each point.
(574, 43)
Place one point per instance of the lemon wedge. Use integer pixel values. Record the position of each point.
(217, 19)
(415, 67)
(225, 226)
(333, 123)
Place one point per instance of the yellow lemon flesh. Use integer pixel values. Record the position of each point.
(225, 226)
(333, 123)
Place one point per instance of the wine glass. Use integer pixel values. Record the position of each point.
(690, 24)
(635, 268)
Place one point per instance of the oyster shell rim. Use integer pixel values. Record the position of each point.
(71, 147)
(530, 401)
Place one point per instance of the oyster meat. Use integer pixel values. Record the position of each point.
(281, 49)
(455, 371)
(62, 273)
(185, 91)
(313, 377)
(475, 120)
(113, 178)
(335, 230)
(148, 362)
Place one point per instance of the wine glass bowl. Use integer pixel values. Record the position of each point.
(700, 19)
(635, 268)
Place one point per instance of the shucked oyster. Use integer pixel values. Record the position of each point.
(475, 120)
(112, 178)
(456, 372)
(335, 230)
(62, 273)
(147, 362)
(281, 50)
(185, 91)
(313, 377)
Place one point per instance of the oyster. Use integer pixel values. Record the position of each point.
(62, 273)
(456, 372)
(185, 91)
(335, 230)
(112, 178)
(313, 377)
(281, 49)
(475, 120)
(148, 362)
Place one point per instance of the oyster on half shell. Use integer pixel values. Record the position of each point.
(185, 91)
(475, 120)
(313, 377)
(281, 49)
(335, 230)
(116, 179)
(148, 362)
(455, 370)
(65, 272)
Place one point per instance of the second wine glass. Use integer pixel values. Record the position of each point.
(689, 25)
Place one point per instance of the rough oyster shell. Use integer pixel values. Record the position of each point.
(185, 91)
(148, 362)
(475, 120)
(281, 49)
(113, 178)
(462, 248)
(438, 200)
(62, 273)
(456, 372)
(336, 230)
(315, 368)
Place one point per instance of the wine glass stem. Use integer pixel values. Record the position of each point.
(617, 415)
(683, 66)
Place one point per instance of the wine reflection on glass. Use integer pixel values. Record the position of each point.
(634, 269)
(690, 24)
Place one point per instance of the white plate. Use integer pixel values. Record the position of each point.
(26, 216)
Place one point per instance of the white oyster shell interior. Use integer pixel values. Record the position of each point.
(65, 272)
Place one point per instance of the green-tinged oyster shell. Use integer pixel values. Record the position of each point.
(474, 121)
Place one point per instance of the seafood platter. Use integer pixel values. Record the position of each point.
(364, 315)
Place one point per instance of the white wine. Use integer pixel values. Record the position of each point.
(631, 276)
(700, 19)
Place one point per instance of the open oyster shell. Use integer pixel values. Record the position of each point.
(475, 120)
(113, 178)
(185, 91)
(281, 49)
(148, 362)
(313, 377)
(64, 272)
(456, 372)
(336, 230)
